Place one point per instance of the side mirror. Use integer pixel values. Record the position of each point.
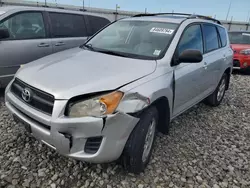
(4, 34)
(190, 56)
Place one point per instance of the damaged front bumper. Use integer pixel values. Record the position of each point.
(90, 139)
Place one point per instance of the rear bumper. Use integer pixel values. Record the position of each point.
(69, 136)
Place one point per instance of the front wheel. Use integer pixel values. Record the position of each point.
(217, 96)
(139, 146)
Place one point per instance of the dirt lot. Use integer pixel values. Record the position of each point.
(206, 147)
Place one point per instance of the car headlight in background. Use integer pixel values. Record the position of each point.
(97, 106)
(245, 52)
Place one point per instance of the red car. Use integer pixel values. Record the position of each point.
(240, 43)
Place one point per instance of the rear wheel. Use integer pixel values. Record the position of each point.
(217, 96)
(139, 146)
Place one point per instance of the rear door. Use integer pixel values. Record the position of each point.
(189, 76)
(28, 41)
(67, 30)
(214, 57)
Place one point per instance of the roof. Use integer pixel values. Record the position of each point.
(174, 17)
(171, 19)
(24, 8)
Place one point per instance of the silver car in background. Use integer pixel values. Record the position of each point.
(29, 33)
(107, 99)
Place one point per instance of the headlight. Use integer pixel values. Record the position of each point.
(245, 52)
(97, 107)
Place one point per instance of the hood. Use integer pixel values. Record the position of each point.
(238, 47)
(76, 72)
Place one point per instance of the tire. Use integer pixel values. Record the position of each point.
(217, 96)
(134, 159)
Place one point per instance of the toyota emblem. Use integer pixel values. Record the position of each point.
(26, 95)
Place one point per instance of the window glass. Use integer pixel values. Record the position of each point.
(135, 39)
(211, 38)
(28, 25)
(223, 36)
(97, 23)
(239, 37)
(191, 39)
(67, 25)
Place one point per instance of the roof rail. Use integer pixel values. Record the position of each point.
(188, 16)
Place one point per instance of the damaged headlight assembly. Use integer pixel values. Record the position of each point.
(96, 107)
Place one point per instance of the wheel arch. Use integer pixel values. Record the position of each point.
(228, 73)
(163, 108)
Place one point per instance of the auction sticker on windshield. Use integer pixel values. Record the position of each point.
(157, 52)
(162, 30)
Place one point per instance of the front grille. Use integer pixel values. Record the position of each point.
(31, 119)
(92, 145)
(39, 100)
(236, 63)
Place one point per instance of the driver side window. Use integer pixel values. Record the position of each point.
(27, 25)
(191, 39)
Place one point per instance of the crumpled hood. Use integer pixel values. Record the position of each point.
(76, 72)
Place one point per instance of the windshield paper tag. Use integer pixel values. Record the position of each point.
(157, 52)
(246, 34)
(162, 30)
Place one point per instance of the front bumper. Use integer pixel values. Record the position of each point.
(241, 61)
(68, 136)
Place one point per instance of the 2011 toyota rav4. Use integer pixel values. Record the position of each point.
(106, 100)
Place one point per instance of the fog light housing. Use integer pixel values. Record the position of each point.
(245, 64)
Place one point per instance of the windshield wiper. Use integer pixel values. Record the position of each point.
(88, 46)
(111, 53)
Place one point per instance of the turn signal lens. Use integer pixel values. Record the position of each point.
(111, 101)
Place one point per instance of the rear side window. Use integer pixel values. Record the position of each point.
(97, 23)
(191, 39)
(211, 38)
(223, 36)
(67, 25)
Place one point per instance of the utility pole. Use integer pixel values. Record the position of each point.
(46, 3)
(83, 7)
(145, 10)
(229, 8)
(248, 15)
(116, 11)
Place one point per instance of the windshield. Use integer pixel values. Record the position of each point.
(239, 37)
(135, 39)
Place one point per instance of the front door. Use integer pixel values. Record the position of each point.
(27, 42)
(189, 76)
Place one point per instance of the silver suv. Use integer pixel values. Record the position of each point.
(30, 33)
(107, 99)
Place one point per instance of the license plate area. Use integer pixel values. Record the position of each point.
(24, 124)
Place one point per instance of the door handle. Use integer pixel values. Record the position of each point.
(224, 57)
(205, 65)
(43, 45)
(60, 44)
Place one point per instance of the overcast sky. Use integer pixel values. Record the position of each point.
(239, 9)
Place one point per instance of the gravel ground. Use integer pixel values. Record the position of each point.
(206, 147)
